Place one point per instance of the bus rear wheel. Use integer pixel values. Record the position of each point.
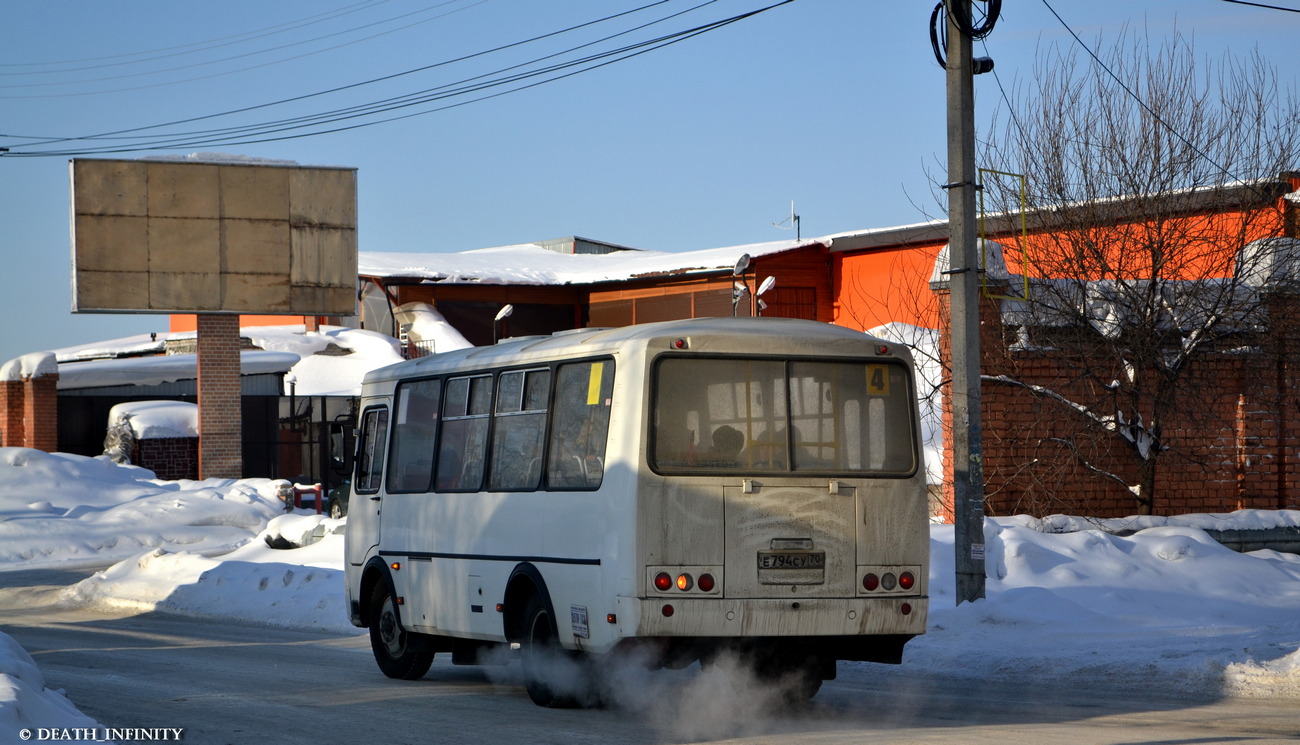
(553, 676)
(793, 675)
(400, 654)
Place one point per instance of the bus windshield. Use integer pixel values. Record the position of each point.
(756, 415)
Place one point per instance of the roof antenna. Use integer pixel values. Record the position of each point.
(793, 221)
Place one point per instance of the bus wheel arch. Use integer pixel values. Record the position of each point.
(553, 676)
(524, 584)
(374, 573)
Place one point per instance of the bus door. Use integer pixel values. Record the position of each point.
(363, 505)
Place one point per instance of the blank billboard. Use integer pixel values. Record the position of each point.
(213, 237)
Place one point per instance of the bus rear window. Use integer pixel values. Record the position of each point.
(714, 415)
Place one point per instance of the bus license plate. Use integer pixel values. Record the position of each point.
(791, 559)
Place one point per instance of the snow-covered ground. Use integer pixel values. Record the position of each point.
(1165, 603)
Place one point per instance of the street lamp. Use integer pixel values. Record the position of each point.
(502, 314)
(763, 287)
(739, 289)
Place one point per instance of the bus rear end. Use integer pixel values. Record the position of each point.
(783, 511)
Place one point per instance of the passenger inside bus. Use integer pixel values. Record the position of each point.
(727, 444)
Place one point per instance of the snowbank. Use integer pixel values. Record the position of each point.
(64, 511)
(25, 702)
(300, 588)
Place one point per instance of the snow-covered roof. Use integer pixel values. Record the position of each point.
(531, 264)
(290, 350)
(162, 369)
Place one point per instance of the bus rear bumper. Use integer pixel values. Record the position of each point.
(743, 618)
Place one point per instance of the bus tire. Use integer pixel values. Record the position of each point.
(399, 653)
(793, 675)
(553, 676)
(802, 682)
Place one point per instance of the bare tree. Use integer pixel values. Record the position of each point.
(1147, 174)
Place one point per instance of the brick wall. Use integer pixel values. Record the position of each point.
(1233, 439)
(220, 410)
(170, 458)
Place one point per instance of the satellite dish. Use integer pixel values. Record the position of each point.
(741, 265)
(766, 285)
(505, 311)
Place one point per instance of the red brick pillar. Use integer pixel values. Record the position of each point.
(29, 402)
(11, 413)
(41, 412)
(311, 323)
(220, 399)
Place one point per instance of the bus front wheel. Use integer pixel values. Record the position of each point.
(400, 654)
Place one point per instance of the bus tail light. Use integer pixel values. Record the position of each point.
(889, 580)
(667, 610)
(679, 579)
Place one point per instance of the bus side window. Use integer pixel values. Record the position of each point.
(416, 415)
(467, 409)
(370, 450)
(519, 428)
(580, 425)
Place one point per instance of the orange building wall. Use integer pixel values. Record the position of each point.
(1203, 246)
(182, 322)
(890, 285)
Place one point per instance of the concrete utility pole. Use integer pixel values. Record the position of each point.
(964, 266)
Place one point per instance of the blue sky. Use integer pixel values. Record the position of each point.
(834, 105)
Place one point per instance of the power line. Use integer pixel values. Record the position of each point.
(199, 45)
(1264, 5)
(1201, 153)
(285, 129)
(44, 140)
(245, 55)
(234, 135)
(1011, 110)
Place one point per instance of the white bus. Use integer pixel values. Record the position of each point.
(678, 491)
